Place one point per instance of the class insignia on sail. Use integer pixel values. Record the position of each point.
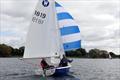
(45, 3)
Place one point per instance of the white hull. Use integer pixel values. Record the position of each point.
(48, 72)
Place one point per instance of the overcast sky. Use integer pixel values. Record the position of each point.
(99, 22)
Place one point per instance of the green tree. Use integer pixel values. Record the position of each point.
(21, 50)
(104, 54)
(94, 53)
(5, 51)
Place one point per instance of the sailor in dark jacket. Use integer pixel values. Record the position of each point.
(64, 61)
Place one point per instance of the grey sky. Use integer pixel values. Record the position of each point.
(98, 20)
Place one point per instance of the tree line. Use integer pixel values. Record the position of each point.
(93, 53)
(8, 51)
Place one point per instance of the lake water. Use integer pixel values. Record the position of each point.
(82, 69)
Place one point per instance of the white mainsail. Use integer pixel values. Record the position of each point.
(43, 39)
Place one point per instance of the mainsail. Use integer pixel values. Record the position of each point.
(69, 29)
(43, 34)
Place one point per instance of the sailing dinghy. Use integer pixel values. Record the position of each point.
(52, 32)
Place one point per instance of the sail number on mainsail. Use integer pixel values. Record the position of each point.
(39, 17)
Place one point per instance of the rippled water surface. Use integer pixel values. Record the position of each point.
(82, 69)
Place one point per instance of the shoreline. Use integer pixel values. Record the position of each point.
(67, 57)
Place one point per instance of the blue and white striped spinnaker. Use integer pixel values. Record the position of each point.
(68, 28)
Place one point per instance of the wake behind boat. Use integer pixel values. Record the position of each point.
(52, 31)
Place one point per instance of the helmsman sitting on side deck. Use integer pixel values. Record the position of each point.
(64, 61)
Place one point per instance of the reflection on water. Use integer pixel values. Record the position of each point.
(82, 69)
